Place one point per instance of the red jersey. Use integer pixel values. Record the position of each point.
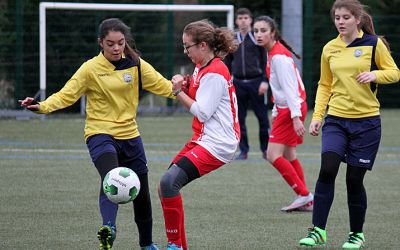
(286, 84)
(215, 124)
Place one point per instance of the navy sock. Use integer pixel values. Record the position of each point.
(108, 210)
(357, 209)
(143, 212)
(145, 228)
(323, 199)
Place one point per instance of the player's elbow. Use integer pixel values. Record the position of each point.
(200, 113)
(202, 116)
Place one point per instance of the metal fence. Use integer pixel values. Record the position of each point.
(71, 40)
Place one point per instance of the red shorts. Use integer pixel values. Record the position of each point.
(282, 131)
(204, 161)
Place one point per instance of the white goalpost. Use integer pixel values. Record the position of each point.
(44, 6)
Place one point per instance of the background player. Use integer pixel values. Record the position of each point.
(289, 111)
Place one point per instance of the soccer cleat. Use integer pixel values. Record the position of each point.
(306, 208)
(106, 235)
(241, 157)
(150, 247)
(172, 246)
(355, 241)
(316, 236)
(299, 201)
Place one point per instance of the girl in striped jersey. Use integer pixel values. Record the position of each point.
(211, 98)
(288, 113)
(352, 66)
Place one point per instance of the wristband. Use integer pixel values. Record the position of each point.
(177, 92)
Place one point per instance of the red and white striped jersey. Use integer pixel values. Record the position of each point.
(285, 81)
(215, 124)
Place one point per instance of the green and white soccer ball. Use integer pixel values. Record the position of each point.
(121, 185)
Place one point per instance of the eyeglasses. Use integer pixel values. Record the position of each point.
(186, 48)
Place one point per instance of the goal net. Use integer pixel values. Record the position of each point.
(68, 37)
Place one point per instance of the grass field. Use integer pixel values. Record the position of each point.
(49, 191)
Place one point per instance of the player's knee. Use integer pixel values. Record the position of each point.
(355, 180)
(330, 163)
(354, 186)
(271, 156)
(327, 175)
(172, 181)
(166, 183)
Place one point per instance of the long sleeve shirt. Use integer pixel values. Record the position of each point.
(112, 95)
(340, 65)
(215, 124)
(248, 61)
(286, 84)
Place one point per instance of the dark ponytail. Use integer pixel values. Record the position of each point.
(278, 37)
(115, 24)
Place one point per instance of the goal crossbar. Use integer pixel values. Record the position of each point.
(43, 6)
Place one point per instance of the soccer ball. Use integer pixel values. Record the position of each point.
(121, 185)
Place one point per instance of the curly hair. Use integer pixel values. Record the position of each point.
(220, 40)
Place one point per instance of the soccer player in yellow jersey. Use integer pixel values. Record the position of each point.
(352, 67)
(111, 82)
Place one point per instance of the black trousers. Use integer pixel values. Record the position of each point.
(247, 94)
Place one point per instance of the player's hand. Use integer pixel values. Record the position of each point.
(186, 83)
(314, 127)
(298, 126)
(263, 88)
(29, 103)
(366, 77)
(177, 82)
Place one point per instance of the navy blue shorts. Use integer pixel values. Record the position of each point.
(356, 140)
(130, 153)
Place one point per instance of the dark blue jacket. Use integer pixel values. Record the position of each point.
(248, 61)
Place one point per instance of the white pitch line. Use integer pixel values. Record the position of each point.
(82, 151)
(43, 150)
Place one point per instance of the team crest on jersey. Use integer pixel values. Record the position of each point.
(127, 77)
(357, 53)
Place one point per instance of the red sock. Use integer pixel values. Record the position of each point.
(183, 232)
(173, 218)
(299, 170)
(289, 174)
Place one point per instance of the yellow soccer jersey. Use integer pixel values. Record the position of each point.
(340, 65)
(112, 95)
